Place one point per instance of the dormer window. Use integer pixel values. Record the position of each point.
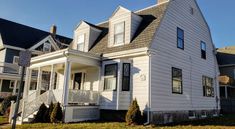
(81, 42)
(46, 47)
(119, 33)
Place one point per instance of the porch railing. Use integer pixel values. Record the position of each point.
(9, 68)
(5, 94)
(83, 97)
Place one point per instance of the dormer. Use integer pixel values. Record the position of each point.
(84, 36)
(122, 26)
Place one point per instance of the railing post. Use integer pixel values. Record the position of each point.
(39, 80)
(12, 109)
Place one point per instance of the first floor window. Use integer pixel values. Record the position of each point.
(208, 89)
(16, 60)
(177, 83)
(126, 77)
(110, 77)
(11, 85)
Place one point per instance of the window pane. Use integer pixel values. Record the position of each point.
(81, 38)
(126, 77)
(80, 47)
(176, 80)
(119, 38)
(110, 77)
(208, 89)
(180, 33)
(180, 43)
(119, 28)
(203, 46)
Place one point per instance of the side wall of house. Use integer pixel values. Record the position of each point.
(167, 55)
(2, 58)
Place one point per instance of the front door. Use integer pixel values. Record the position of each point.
(77, 81)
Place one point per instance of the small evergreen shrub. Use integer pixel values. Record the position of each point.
(48, 113)
(57, 114)
(6, 103)
(133, 115)
(40, 114)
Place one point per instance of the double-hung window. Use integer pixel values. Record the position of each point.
(110, 77)
(177, 81)
(180, 38)
(81, 42)
(203, 50)
(208, 89)
(119, 33)
(126, 77)
(16, 59)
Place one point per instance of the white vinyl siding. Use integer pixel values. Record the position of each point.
(168, 56)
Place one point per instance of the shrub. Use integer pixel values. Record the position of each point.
(40, 114)
(56, 115)
(48, 113)
(133, 115)
(6, 103)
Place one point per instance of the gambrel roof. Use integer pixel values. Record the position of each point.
(22, 36)
(143, 37)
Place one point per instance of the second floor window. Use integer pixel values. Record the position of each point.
(16, 60)
(119, 33)
(110, 77)
(180, 38)
(81, 42)
(177, 81)
(208, 89)
(203, 50)
(46, 47)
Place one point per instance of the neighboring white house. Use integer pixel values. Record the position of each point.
(15, 37)
(162, 55)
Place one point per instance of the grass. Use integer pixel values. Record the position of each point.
(3, 120)
(227, 122)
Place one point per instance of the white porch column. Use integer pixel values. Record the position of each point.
(39, 79)
(15, 87)
(52, 77)
(226, 91)
(67, 74)
(27, 82)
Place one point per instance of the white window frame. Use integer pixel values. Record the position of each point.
(111, 76)
(193, 116)
(118, 34)
(81, 42)
(45, 45)
(10, 86)
(16, 58)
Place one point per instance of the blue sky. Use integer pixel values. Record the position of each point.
(66, 14)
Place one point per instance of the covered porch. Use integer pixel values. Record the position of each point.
(67, 76)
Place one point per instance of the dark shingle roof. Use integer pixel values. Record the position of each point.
(143, 36)
(226, 56)
(18, 35)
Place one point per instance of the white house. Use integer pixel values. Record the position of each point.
(162, 55)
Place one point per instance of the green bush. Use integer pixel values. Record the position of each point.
(6, 103)
(40, 114)
(133, 115)
(48, 113)
(57, 114)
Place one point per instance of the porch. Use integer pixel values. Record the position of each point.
(68, 76)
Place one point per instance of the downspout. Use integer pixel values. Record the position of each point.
(149, 89)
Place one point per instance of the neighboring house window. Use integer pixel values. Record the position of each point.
(81, 42)
(16, 60)
(207, 84)
(11, 85)
(180, 38)
(110, 77)
(119, 33)
(126, 76)
(177, 81)
(46, 47)
(203, 50)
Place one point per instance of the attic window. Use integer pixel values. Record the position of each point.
(80, 42)
(119, 33)
(46, 47)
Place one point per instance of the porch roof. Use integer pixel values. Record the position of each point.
(65, 55)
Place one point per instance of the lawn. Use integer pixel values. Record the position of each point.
(227, 122)
(3, 120)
